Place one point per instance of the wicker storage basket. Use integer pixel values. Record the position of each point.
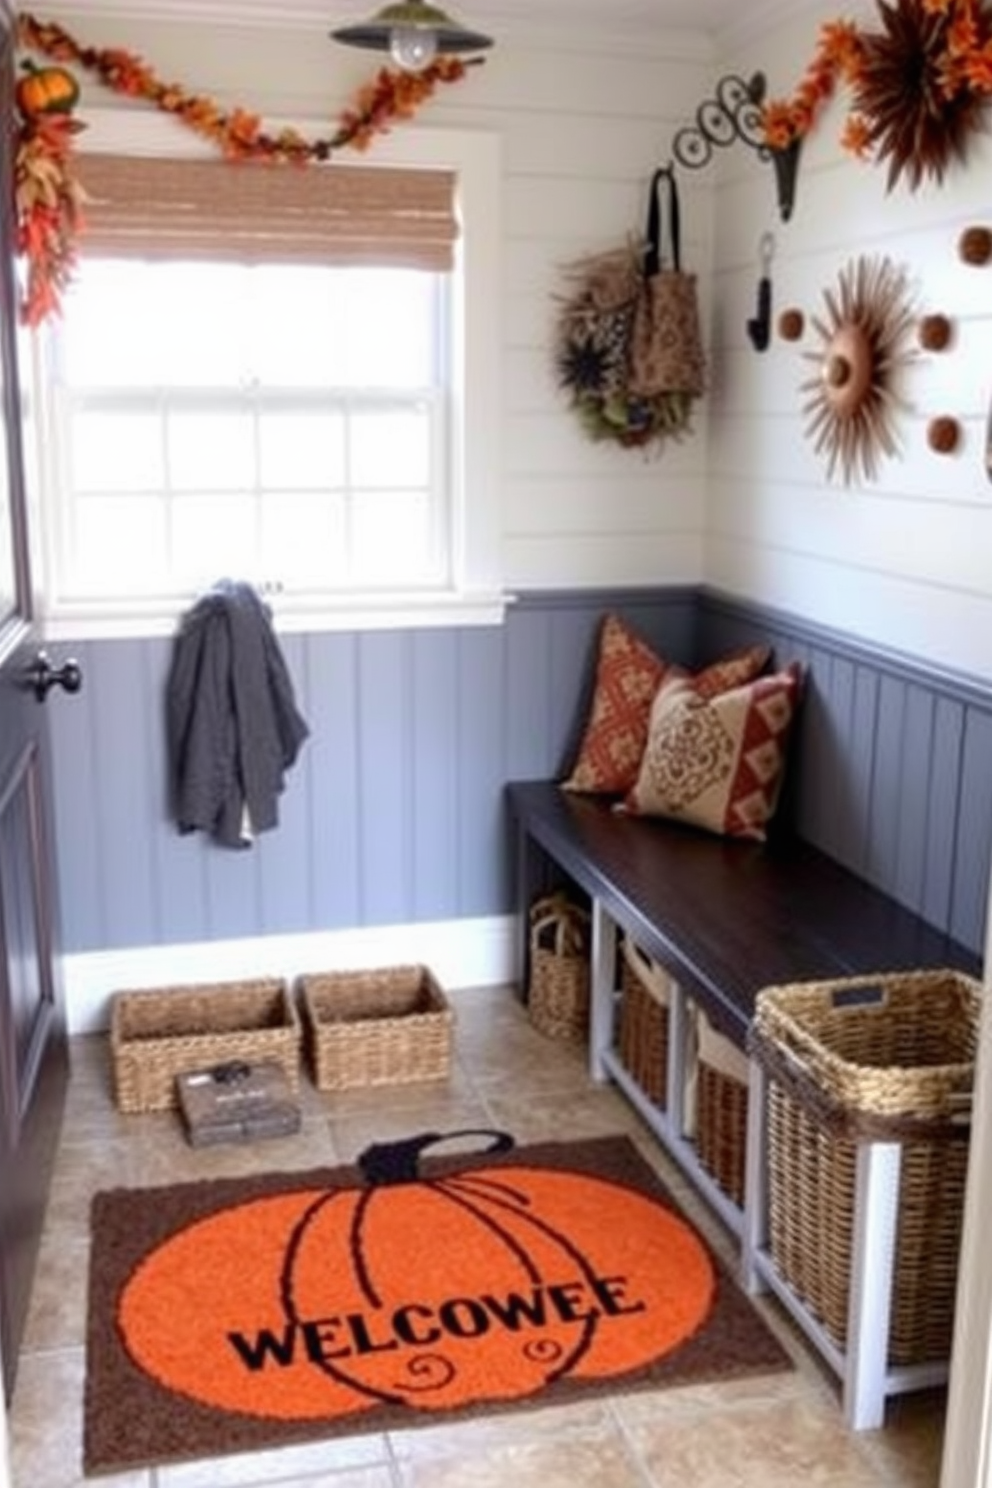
(721, 1108)
(158, 1034)
(558, 995)
(389, 1026)
(889, 1058)
(642, 1037)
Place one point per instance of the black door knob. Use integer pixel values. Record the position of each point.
(42, 675)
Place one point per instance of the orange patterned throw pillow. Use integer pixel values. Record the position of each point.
(718, 762)
(628, 676)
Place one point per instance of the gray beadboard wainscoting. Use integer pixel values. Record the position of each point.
(394, 813)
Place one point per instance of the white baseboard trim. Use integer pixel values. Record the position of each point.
(461, 953)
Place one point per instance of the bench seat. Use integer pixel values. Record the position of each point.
(726, 917)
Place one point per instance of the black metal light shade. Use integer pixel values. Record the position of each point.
(413, 32)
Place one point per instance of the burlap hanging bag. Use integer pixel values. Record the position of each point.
(666, 348)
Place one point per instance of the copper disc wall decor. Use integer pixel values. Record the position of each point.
(861, 342)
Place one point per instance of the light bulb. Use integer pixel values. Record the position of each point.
(413, 47)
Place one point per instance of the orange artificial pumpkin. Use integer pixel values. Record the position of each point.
(434, 1292)
(46, 90)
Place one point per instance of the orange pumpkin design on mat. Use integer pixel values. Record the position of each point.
(434, 1292)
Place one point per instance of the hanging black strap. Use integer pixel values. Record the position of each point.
(652, 251)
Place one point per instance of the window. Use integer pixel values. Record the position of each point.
(284, 423)
(313, 428)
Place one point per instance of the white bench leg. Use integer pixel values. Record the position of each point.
(876, 1209)
(755, 1234)
(602, 974)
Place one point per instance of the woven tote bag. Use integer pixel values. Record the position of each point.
(666, 349)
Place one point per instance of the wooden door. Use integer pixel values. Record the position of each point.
(33, 1046)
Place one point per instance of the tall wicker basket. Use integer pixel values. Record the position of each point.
(558, 993)
(642, 1036)
(882, 1058)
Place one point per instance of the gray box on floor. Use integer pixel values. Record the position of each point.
(237, 1102)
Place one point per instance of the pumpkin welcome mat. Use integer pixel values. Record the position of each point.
(239, 1314)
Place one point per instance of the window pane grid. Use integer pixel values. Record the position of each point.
(171, 478)
(362, 515)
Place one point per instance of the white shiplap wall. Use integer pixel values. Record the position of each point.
(581, 126)
(905, 560)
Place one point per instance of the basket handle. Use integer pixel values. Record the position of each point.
(569, 936)
(557, 903)
(654, 977)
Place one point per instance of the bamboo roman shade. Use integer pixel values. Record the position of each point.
(153, 207)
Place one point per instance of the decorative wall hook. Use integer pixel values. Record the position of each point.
(759, 327)
(734, 114)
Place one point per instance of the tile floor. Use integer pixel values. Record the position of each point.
(776, 1431)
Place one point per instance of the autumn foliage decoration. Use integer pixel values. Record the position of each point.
(49, 202)
(920, 86)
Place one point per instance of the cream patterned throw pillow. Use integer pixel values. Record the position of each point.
(717, 762)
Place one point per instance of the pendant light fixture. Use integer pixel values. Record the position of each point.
(413, 33)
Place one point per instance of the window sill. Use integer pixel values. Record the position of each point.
(83, 622)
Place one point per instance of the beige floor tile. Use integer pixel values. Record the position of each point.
(356, 1101)
(46, 1423)
(575, 1457)
(908, 1449)
(637, 1409)
(760, 1444)
(355, 1477)
(320, 1459)
(166, 1156)
(520, 1061)
(81, 1171)
(57, 1314)
(561, 1116)
(561, 1465)
(442, 1114)
(590, 1420)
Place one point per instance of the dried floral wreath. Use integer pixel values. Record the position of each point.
(920, 86)
(862, 341)
(592, 356)
(48, 200)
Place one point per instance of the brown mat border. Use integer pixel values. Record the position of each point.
(130, 1421)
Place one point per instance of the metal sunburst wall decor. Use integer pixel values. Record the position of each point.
(862, 338)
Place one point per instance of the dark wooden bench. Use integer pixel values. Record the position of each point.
(726, 918)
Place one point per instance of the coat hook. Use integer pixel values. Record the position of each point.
(759, 327)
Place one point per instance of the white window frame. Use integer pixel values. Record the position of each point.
(475, 594)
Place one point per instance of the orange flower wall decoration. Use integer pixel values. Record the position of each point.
(49, 203)
(920, 86)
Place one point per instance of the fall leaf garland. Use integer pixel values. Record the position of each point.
(920, 86)
(49, 203)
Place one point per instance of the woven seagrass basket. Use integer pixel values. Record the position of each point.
(388, 1026)
(888, 1058)
(721, 1108)
(160, 1033)
(642, 1035)
(559, 986)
